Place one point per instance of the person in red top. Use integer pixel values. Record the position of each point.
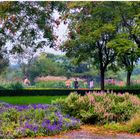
(68, 83)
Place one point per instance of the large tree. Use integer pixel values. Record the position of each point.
(92, 25)
(127, 53)
(26, 26)
(127, 42)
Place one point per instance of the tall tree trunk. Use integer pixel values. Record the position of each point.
(102, 75)
(128, 78)
(102, 70)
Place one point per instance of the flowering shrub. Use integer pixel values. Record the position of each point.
(33, 120)
(100, 107)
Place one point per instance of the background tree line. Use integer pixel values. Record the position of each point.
(106, 34)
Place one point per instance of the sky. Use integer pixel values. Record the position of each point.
(61, 32)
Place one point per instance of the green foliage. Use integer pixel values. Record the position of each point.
(100, 107)
(4, 62)
(34, 120)
(29, 36)
(115, 87)
(44, 66)
(15, 86)
(116, 127)
(11, 86)
(134, 124)
(50, 84)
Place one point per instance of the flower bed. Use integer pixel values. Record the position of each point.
(33, 120)
(100, 107)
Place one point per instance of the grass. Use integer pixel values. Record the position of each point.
(116, 127)
(21, 100)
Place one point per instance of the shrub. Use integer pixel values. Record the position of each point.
(11, 86)
(133, 125)
(33, 120)
(99, 107)
(15, 86)
(51, 84)
(115, 87)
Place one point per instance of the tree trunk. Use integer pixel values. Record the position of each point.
(102, 69)
(128, 78)
(102, 73)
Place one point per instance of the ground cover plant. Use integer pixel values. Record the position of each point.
(100, 108)
(33, 120)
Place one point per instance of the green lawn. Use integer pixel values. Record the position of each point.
(29, 99)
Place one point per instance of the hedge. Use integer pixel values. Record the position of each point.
(56, 92)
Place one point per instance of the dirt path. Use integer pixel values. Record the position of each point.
(93, 132)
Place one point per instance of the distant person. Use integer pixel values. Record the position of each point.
(68, 83)
(91, 84)
(76, 84)
(26, 81)
(85, 84)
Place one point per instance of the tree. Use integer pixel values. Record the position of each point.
(127, 53)
(127, 43)
(26, 26)
(130, 19)
(43, 66)
(92, 25)
(4, 62)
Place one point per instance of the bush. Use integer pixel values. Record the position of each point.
(100, 107)
(15, 86)
(51, 84)
(33, 120)
(134, 124)
(115, 87)
(11, 86)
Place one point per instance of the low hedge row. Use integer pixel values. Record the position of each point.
(56, 92)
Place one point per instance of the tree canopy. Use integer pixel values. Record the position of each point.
(100, 31)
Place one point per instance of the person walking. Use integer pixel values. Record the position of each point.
(76, 84)
(68, 83)
(85, 84)
(91, 84)
(26, 81)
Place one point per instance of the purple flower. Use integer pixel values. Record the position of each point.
(35, 129)
(67, 116)
(52, 127)
(45, 122)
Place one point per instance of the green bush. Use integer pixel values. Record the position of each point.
(11, 86)
(15, 86)
(51, 84)
(133, 125)
(115, 87)
(100, 107)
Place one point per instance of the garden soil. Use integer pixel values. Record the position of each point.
(93, 132)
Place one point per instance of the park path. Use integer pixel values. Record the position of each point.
(93, 132)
